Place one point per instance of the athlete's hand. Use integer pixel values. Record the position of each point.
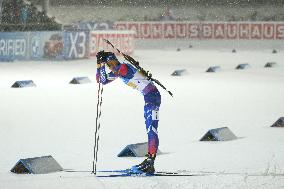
(99, 65)
(100, 57)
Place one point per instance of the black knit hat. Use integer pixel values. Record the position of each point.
(103, 56)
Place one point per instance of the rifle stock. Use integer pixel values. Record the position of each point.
(136, 65)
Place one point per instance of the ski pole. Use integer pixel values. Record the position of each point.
(97, 116)
(99, 113)
(99, 126)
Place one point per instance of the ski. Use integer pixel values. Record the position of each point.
(168, 174)
(129, 173)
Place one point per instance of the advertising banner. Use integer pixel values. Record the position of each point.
(205, 30)
(46, 45)
(89, 26)
(13, 46)
(123, 40)
(76, 44)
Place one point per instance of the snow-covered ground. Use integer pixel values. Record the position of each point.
(57, 118)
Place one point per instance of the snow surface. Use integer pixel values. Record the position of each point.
(57, 118)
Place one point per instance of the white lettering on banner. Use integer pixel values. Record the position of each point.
(126, 44)
(82, 44)
(244, 31)
(104, 25)
(18, 47)
(73, 45)
(2, 47)
(35, 46)
(169, 30)
(93, 45)
(80, 40)
(90, 27)
(219, 31)
(12, 47)
(207, 31)
(280, 31)
(232, 31)
(181, 30)
(135, 27)
(193, 30)
(145, 31)
(94, 26)
(268, 31)
(256, 31)
(122, 41)
(157, 30)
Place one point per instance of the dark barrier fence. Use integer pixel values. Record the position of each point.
(5, 27)
(164, 2)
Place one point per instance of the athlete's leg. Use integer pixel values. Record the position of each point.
(151, 115)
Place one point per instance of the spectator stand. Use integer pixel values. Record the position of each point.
(21, 15)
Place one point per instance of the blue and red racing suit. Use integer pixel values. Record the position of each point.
(135, 79)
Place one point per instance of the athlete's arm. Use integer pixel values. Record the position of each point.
(103, 77)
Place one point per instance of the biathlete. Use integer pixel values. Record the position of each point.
(136, 80)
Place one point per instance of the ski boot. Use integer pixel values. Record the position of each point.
(147, 166)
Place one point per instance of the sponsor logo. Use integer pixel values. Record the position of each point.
(121, 41)
(35, 47)
(205, 30)
(78, 44)
(13, 47)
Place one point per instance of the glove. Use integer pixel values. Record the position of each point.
(99, 65)
(100, 58)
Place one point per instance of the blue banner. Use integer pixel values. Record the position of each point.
(13, 46)
(46, 45)
(55, 45)
(90, 26)
(76, 45)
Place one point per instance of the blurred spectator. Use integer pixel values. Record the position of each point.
(253, 17)
(42, 17)
(232, 18)
(270, 18)
(24, 14)
(168, 15)
(18, 15)
(16, 10)
(32, 18)
(8, 14)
